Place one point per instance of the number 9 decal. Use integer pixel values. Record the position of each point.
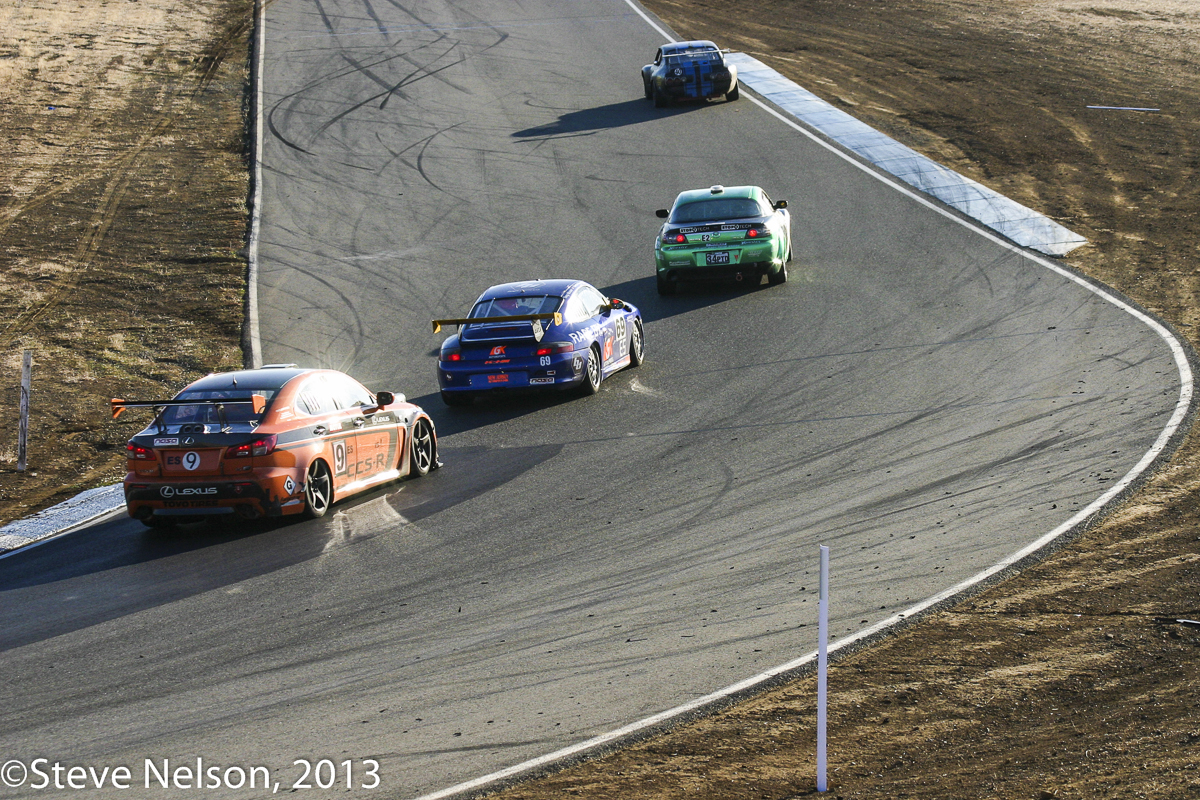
(339, 458)
(191, 461)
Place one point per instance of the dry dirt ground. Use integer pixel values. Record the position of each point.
(123, 215)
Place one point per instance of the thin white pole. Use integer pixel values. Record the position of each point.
(23, 425)
(822, 667)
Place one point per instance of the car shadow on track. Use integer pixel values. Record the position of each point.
(643, 293)
(615, 115)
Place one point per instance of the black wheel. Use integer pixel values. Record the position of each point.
(646, 86)
(776, 278)
(457, 398)
(734, 93)
(159, 523)
(593, 371)
(421, 457)
(666, 287)
(318, 489)
(660, 99)
(637, 345)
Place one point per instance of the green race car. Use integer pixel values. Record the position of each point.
(725, 233)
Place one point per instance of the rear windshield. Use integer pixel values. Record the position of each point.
(517, 306)
(208, 413)
(716, 209)
(694, 55)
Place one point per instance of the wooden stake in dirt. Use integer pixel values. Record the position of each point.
(23, 429)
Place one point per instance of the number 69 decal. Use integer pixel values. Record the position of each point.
(339, 457)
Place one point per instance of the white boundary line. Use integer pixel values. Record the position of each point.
(254, 341)
(1160, 444)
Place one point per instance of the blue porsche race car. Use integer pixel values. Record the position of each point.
(545, 334)
(689, 70)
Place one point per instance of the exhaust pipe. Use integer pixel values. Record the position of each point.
(738, 277)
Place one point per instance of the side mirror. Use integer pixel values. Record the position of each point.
(384, 399)
(781, 204)
(662, 213)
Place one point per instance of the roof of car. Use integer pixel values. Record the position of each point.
(557, 287)
(692, 195)
(684, 47)
(270, 378)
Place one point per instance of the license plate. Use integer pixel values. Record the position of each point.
(497, 378)
(716, 258)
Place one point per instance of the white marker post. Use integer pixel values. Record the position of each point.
(822, 666)
(23, 425)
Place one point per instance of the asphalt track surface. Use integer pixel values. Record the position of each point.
(920, 397)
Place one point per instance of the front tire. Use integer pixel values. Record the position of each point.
(637, 345)
(318, 489)
(420, 459)
(593, 372)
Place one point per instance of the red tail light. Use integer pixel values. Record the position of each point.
(674, 237)
(451, 354)
(759, 232)
(259, 447)
(554, 347)
(139, 453)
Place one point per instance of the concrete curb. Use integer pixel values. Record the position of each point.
(1009, 218)
(83, 508)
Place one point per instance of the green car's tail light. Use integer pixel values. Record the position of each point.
(758, 232)
(673, 237)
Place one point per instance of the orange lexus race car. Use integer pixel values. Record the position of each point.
(270, 442)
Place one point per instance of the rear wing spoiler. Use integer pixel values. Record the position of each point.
(119, 406)
(535, 320)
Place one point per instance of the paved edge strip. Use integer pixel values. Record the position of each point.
(1007, 217)
(606, 742)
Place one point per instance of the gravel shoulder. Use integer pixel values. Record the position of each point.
(123, 185)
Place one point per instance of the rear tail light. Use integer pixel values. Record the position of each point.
(674, 237)
(758, 232)
(259, 447)
(139, 453)
(451, 354)
(553, 348)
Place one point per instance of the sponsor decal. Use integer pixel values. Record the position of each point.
(497, 351)
(166, 441)
(189, 440)
(577, 364)
(187, 491)
(608, 347)
(541, 380)
(289, 486)
(497, 361)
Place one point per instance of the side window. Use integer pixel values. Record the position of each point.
(593, 301)
(574, 313)
(314, 397)
(349, 393)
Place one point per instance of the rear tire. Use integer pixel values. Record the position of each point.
(159, 523)
(776, 278)
(660, 100)
(454, 399)
(734, 93)
(318, 489)
(637, 344)
(646, 86)
(421, 447)
(593, 372)
(666, 287)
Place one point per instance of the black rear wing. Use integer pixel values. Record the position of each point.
(258, 401)
(535, 321)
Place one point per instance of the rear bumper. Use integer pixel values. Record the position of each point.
(270, 492)
(561, 371)
(750, 272)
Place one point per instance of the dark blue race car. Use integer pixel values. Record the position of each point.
(689, 70)
(554, 334)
